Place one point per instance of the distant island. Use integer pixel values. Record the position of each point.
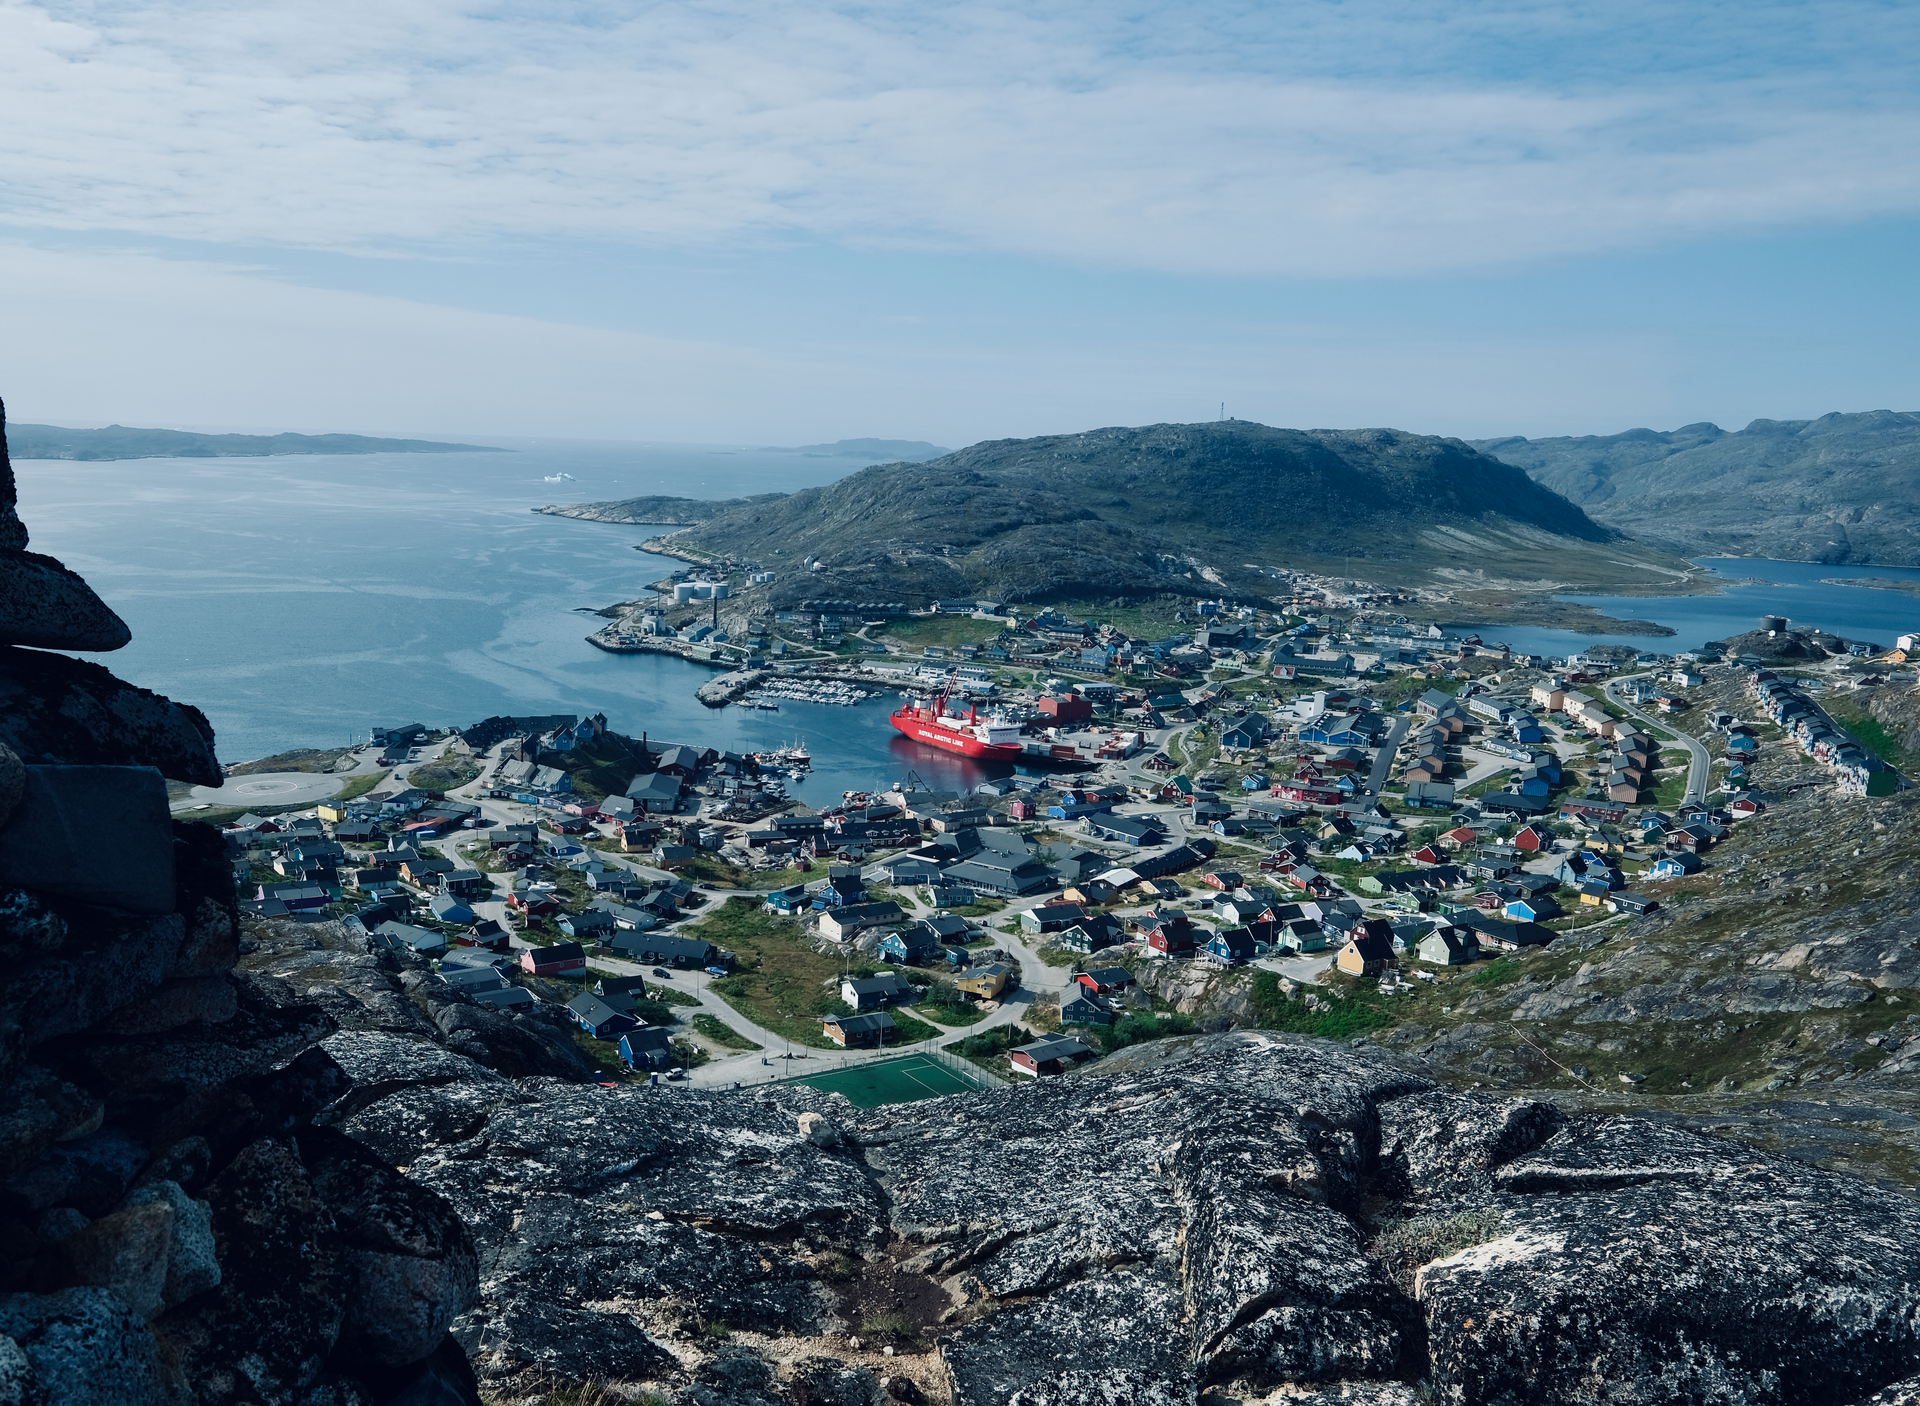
(1832, 490)
(891, 451)
(123, 442)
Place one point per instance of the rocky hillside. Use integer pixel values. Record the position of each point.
(1183, 509)
(1835, 489)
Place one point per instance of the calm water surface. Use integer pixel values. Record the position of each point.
(300, 600)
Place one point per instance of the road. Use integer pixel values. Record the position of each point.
(1701, 765)
(1383, 760)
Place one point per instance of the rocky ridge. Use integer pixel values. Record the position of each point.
(1835, 489)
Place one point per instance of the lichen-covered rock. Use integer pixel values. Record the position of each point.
(38, 1109)
(1108, 1340)
(409, 1262)
(45, 605)
(1442, 1148)
(193, 1265)
(821, 1381)
(90, 1173)
(126, 1252)
(58, 709)
(84, 1346)
(266, 1332)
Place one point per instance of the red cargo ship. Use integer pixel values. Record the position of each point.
(970, 736)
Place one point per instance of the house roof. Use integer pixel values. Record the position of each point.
(861, 1024)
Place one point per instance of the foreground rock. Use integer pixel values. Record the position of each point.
(1251, 1216)
(174, 1226)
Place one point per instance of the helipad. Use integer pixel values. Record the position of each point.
(266, 788)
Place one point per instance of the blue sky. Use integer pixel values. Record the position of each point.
(777, 223)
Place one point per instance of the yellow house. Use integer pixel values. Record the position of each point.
(333, 815)
(984, 983)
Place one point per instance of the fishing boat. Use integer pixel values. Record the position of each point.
(992, 739)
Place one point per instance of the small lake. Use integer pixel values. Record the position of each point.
(299, 601)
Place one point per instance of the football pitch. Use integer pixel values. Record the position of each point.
(892, 1081)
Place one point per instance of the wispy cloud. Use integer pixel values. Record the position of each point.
(1299, 139)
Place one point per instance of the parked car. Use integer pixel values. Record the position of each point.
(716, 971)
(662, 971)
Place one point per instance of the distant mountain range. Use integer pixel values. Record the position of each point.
(121, 442)
(892, 451)
(1842, 488)
(1190, 510)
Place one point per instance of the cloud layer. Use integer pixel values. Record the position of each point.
(1302, 139)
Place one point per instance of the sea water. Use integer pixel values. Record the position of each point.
(299, 601)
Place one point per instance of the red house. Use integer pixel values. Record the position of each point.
(1048, 1056)
(561, 959)
(1427, 854)
(1169, 934)
(1533, 837)
(534, 905)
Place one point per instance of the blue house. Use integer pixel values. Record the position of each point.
(1231, 947)
(1526, 731)
(647, 1048)
(1676, 865)
(788, 900)
(911, 948)
(1533, 910)
(599, 1019)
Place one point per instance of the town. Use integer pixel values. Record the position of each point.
(1331, 804)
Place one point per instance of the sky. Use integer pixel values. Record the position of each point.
(796, 222)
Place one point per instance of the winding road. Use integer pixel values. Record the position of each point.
(1701, 765)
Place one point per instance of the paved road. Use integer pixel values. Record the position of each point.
(1383, 761)
(1701, 765)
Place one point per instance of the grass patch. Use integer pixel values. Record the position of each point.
(1403, 1246)
(1343, 1016)
(441, 777)
(358, 786)
(604, 1055)
(1138, 1029)
(300, 759)
(780, 982)
(721, 1033)
(889, 1327)
(941, 631)
(690, 1055)
(912, 1031)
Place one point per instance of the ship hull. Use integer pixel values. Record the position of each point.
(948, 740)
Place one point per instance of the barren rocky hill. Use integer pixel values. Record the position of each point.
(1185, 509)
(1835, 489)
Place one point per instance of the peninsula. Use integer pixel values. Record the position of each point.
(125, 442)
(1222, 509)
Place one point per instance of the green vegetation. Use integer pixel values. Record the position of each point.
(605, 768)
(358, 786)
(912, 1031)
(1344, 1014)
(300, 759)
(889, 1327)
(604, 1055)
(1487, 783)
(442, 776)
(689, 1055)
(780, 983)
(1403, 1246)
(940, 631)
(944, 1003)
(1138, 1029)
(720, 1033)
